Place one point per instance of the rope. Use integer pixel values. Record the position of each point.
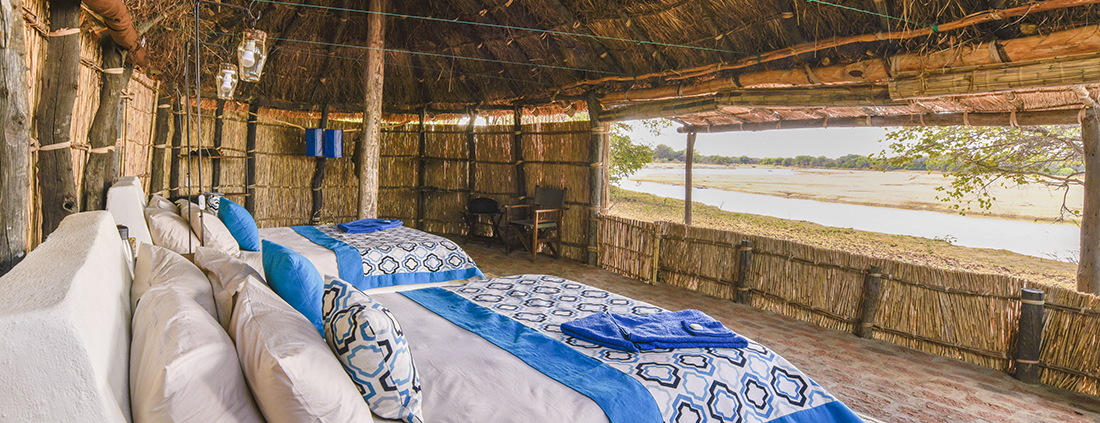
(63, 32)
(935, 28)
(102, 150)
(113, 71)
(57, 146)
(518, 28)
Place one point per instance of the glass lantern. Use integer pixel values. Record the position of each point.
(226, 80)
(251, 54)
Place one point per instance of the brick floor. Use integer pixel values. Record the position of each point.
(876, 379)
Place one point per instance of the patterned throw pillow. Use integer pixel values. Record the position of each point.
(369, 342)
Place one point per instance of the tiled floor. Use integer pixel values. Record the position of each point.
(876, 379)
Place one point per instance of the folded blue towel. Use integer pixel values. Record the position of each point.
(363, 226)
(681, 329)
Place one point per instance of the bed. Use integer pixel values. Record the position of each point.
(397, 256)
(493, 351)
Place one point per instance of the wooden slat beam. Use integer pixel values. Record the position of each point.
(1047, 117)
(876, 95)
(998, 78)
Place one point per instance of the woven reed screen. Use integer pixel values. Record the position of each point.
(967, 316)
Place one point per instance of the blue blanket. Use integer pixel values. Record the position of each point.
(681, 329)
(363, 226)
(348, 261)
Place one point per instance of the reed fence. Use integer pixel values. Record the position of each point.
(967, 316)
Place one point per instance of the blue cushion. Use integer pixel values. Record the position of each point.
(294, 278)
(368, 341)
(240, 223)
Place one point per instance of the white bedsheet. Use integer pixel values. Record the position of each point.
(322, 258)
(467, 379)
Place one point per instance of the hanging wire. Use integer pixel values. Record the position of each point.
(869, 12)
(517, 28)
(389, 50)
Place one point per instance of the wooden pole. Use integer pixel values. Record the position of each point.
(655, 272)
(517, 152)
(1045, 117)
(372, 112)
(318, 182)
(103, 133)
(15, 153)
(58, 86)
(595, 178)
(160, 146)
(1088, 267)
(1029, 335)
(250, 158)
(872, 295)
(177, 149)
(421, 168)
(688, 158)
(471, 156)
(744, 264)
(216, 162)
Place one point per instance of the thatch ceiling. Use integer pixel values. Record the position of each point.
(452, 54)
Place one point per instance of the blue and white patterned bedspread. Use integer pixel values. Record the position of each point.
(752, 384)
(405, 255)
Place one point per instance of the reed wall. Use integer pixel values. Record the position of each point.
(967, 316)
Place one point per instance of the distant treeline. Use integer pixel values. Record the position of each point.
(665, 154)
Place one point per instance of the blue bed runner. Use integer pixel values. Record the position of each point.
(348, 260)
(621, 397)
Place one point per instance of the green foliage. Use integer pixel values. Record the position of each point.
(627, 157)
(977, 158)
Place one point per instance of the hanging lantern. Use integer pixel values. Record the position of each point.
(251, 54)
(226, 80)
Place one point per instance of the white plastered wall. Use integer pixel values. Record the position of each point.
(65, 327)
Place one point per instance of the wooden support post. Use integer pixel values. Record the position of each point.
(58, 86)
(517, 152)
(688, 159)
(656, 254)
(596, 178)
(744, 265)
(1088, 267)
(318, 182)
(250, 159)
(371, 143)
(421, 168)
(471, 155)
(99, 170)
(15, 152)
(216, 162)
(177, 149)
(1029, 335)
(160, 146)
(872, 295)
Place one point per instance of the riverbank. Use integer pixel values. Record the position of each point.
(938, 253)
(912, 190)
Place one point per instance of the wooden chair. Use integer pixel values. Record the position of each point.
(537, 223)
(483, 212)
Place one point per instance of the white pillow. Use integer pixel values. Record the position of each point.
(293, 375)
(126, 202)
(212, 232)
(162, 203)
(225, 274)
(158, 266)
(183, 367)
(170, 231)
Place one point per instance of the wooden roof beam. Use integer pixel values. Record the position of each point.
(999, 78)
(1046, 117)
(778, 98)
(790, 22)
(880, 7)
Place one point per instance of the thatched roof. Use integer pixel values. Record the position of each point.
(455, 54)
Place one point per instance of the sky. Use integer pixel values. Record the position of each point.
(831, 142)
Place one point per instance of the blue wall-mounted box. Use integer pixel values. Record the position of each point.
(334, 143)
(315, 142)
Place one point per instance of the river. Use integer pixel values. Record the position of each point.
(1040, 239)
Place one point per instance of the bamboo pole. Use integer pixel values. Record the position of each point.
(250, 158)
(160, 146)
(1088, 267)
(688, 159)
(318, 182)
(56, 182)
(370, 142)
(216, 162)
(15, 181)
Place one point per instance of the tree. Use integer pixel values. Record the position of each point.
(977, 158)
(627, 157)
